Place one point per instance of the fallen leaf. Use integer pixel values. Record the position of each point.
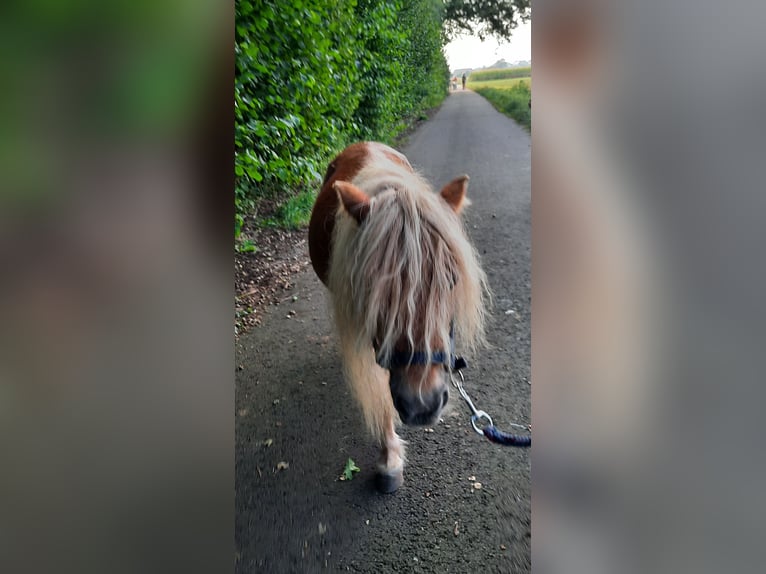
(472, 478)
(282, 465)
(268, 442)
(350, 469)
(456, 529)
(477, 485)
(502, 547)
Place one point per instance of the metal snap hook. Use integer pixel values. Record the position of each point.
(477, 417)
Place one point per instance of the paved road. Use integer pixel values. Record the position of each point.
(290, 392)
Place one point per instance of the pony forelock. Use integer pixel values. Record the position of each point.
(408, 270)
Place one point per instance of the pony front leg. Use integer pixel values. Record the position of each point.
(391, 466)
(369, 383)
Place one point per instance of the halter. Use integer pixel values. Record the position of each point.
(400, 359)
(454, 364)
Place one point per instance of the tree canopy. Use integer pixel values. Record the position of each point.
(485, 18)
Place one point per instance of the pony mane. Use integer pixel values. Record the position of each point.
(407, 270)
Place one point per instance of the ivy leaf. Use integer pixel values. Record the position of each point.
(247, 246)
(254, 173)
(350, 469)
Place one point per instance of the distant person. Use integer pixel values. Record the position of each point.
(464, 80)
(454, 83)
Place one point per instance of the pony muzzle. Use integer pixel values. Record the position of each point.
(417, 407)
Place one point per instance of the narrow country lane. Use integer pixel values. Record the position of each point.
(293, 407)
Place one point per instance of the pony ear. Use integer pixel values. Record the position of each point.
(354, 200)
(454, 193)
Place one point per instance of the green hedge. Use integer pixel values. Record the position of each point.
(500, 74)
(313, 76)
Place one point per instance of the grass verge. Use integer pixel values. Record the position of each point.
(294, 212)
(513, 102)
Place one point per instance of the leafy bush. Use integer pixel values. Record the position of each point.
(294, 92)
(500, 74)
(313, 76)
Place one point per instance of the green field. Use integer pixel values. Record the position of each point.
(511, 96)
(500, 74)
(499, 84)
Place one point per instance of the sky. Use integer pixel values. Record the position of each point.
(470, 52)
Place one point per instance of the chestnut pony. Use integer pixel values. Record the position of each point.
(404, 281)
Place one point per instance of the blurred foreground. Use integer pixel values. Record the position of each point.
(647, 287)
(116, 387)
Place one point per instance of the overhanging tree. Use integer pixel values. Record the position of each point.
(485, 17)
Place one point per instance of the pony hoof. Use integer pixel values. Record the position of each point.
(388, 483)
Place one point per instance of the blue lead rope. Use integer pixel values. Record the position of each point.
(491, 431)
(507, 439)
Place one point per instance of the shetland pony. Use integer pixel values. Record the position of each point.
(404, 282)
